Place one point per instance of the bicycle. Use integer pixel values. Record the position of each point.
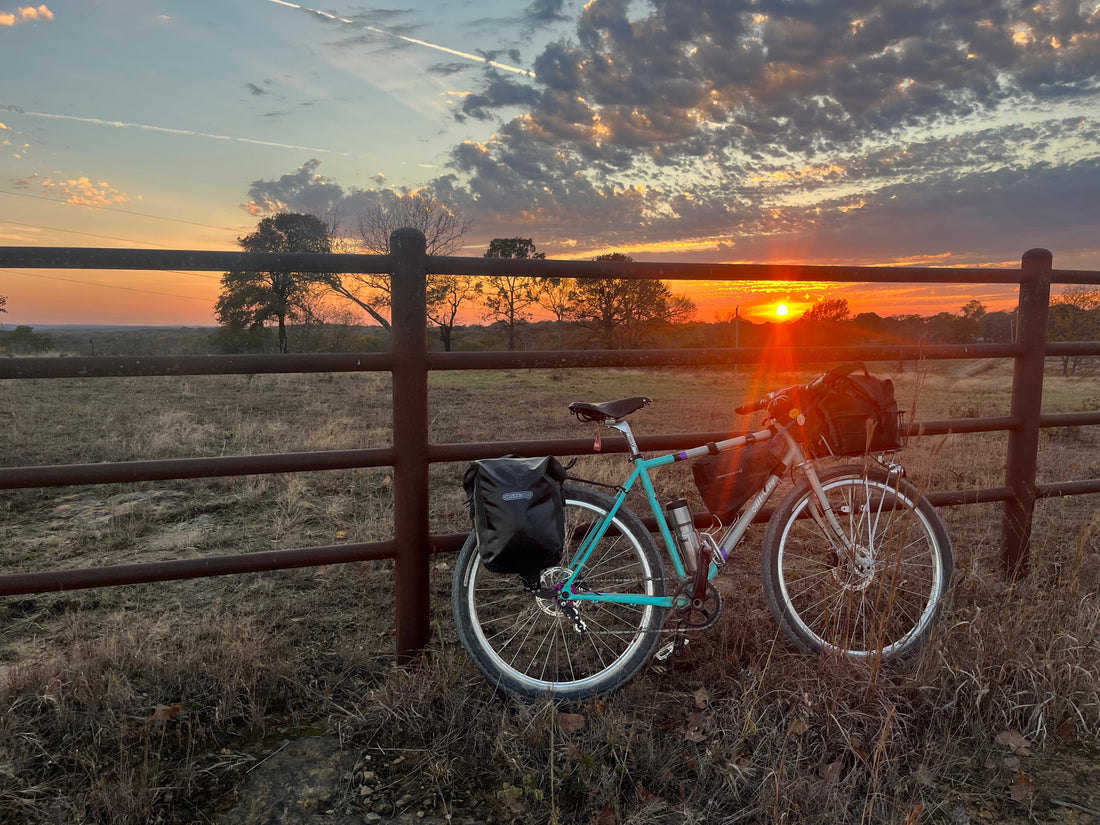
(855, 562)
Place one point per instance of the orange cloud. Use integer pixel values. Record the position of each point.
(27, 14)
(82, 192)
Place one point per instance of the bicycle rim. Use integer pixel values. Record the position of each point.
(887, 606)
(532, 645)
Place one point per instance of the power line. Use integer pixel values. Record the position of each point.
(78, 232)
(106, 286)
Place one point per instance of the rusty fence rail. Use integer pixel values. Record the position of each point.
(410, 362)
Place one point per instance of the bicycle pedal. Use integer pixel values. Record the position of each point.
(669, 648)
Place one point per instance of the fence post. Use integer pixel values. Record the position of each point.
(410, 437)
(1027, 402)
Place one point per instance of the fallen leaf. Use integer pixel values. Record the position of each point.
(163, 713)
(512, 797)
(797, 727)
(702, 698)
(1012, 739)
(914, 815)
(695, 736)
(1022, 788)
(570, 722)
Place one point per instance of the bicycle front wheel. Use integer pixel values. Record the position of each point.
(877, 593)
(531, 644)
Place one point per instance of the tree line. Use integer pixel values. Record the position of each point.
(614, 312)
(611, 313)
(23, 340)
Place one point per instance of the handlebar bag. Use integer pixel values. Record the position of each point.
(728, 479)
(861, 416)
(518, 510)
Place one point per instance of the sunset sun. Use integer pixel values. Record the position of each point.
(781, 310)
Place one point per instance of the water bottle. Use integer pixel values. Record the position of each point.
(683, 528)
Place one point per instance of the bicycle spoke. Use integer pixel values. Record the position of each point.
(533, 641)
(874, 591)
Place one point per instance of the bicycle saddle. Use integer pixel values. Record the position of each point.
(607, 410)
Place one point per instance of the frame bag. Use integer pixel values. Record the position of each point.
(728, 479)
(861, 416)
(518, 510)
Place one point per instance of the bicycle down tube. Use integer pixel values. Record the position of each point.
(641, 470)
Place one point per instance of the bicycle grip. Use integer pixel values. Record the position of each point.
(751, 407)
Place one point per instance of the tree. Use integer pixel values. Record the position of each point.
(446, 293)
(508, 298)
(443, 224)
(3, 303)
(972, 312)
(828, 311)
(555, 294)
(620, 312)
(323, 325)
(1074, 316)
(996, 327)
(250, 299)
(23, 340)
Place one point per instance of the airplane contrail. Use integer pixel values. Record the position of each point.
(465, 55)
(165, 130)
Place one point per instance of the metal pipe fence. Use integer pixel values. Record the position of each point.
(409, 362)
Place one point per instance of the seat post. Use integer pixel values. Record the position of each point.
(622, 426)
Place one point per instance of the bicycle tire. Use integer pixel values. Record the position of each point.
(529, 646)
(825, 604)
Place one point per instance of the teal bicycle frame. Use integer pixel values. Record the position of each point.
(794, 456)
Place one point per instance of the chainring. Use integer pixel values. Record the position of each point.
(696, 617)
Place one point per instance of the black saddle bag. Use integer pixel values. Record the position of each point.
(518, 511)
(860, 416)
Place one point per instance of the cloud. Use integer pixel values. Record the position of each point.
(778, 130)
(26, 14)
(83, 192)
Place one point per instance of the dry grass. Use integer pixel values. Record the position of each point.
(150, 703)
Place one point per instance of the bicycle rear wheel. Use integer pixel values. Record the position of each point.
(531, 645)
(882, 603)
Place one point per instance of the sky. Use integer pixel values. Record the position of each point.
(936, 133)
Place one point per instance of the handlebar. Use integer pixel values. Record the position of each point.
(819, 386)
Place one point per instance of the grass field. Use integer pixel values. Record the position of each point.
(162, 703)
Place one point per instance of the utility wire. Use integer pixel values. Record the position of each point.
(78, 232)
(107, 286)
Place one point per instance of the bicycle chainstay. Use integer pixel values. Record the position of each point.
(669, 615)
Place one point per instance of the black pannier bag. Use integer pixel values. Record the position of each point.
(519, 513)
(728, 479)
(860, 416)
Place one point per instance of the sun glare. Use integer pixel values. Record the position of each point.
(781, 310)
